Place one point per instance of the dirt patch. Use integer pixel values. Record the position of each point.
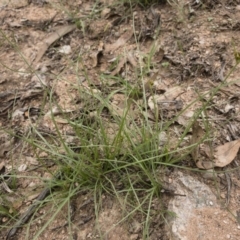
(184, 50)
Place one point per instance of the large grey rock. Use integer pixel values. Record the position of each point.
(198, 215)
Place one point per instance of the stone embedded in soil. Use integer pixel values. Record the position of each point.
(198, 215)
(14, 3)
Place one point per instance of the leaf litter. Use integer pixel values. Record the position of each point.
(187, 60)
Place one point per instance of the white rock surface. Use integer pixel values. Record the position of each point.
(198, 214)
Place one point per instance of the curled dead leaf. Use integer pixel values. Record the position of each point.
(96, 54)
(120, 42)
(131, 59)
(45, 44)
(159, 55)
(198, 137)
(119, 66)
(7, 146)
(226, 153)
(166, 104)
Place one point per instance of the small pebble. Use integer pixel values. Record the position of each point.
(4, 219)
(22, 167)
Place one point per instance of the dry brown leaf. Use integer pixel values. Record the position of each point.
(7, 146)
(205, 164)
(117, 106)
(131, 59)
(159, 55)
(167, 99)
(51, 39)
(197, 137)
(31, 93)
(17, 203)
(119, 66)
(226, 153)
(105, 12)
(61, 120)
(207, 151)
(32, 197)
(120, 42)
(95, 55)
(185, 117)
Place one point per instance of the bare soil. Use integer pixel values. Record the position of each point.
(57, 42)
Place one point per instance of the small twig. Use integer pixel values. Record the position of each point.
(73, 213)
(227, 92)
(26, 216)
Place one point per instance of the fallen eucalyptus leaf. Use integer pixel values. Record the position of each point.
(51, 39)
(120, 42)
(197, 139)
(5, 147)
(226, 153)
